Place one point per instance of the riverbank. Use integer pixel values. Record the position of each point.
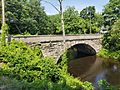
(115, 55)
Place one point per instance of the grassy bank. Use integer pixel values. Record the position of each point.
(115, 55)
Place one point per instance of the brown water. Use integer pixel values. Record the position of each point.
(93, 69)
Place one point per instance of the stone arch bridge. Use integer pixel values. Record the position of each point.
(52, 45)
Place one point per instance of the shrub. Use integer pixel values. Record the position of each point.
(22, 62)
(109, 54)
(34, 72)
(111, 40)
(104, 85)
(4, 32)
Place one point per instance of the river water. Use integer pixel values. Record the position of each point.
(93, 69)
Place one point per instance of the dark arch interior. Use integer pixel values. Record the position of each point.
(79, 51)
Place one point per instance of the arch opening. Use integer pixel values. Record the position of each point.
(78, 51)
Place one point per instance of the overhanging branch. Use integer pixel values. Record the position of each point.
(51, 4)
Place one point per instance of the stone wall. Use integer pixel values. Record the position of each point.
(53, 46)
(56, 49)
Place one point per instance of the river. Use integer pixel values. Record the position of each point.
(92, 69)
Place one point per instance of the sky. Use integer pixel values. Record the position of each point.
(78, 4)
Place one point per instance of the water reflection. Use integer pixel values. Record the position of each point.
(93, 69)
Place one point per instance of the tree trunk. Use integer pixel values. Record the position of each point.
(3, 12)
(3, 25)
(62, 21)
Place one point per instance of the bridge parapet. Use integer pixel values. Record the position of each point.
(55, 38)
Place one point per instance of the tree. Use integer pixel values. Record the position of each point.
(111, 40)
(73, 23)
(60, 10)
(99, 20)
(111, 12)
(26, 16)
(112, 21)
(62, 19)
(56, 24)
(0, 13)
(94, 21)
(88, 12)
(4, 25)
(115, 36)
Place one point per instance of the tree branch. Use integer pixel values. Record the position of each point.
(51, 4)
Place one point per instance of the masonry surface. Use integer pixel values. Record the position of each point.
(53, 46)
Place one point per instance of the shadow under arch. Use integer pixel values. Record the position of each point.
(78, 51)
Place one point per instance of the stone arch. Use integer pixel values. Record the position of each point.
(85, 48)
(78, 50)
(95, 44)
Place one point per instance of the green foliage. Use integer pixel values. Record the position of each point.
(55, 21)
(13, 84)
(75, 23)
(26, 16)
(34, 72)
(72, 53)
(105, 41)
(92, 19)
(109, 54)
(103, 53)
(104, 85)
(24, 63)
(111, 40)
(111, 12)
(88, 12)
(0, 14)
(115, 35)
(4, 33)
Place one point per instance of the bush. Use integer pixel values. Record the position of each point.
(34, 72)
(4, 32)
(22, 62)
(104, 85)
(109, 54)
(111, 40)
